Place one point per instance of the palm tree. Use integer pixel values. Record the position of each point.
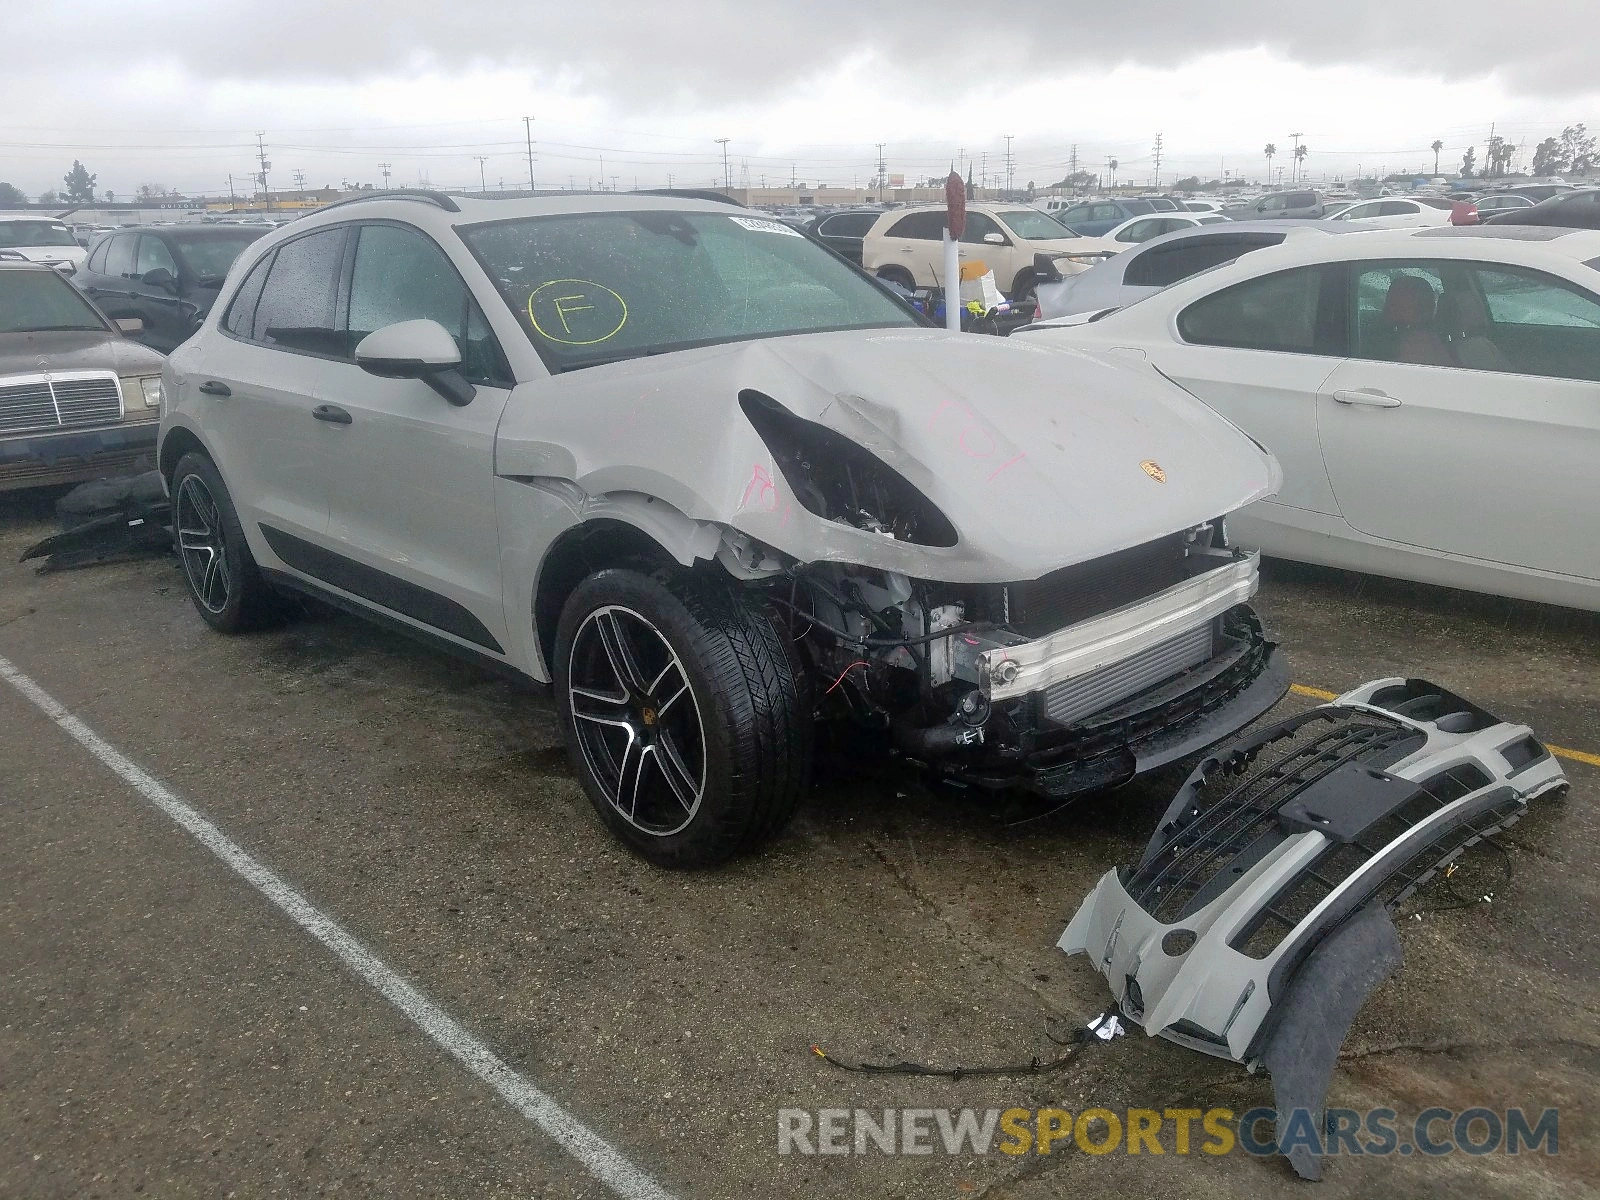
(1300, 153)
(1269, 152)
(1436, 147)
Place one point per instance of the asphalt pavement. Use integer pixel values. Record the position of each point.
(167, 1030)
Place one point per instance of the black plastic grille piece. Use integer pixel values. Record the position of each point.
(1232, 822)
(1086, 590)
(1295, 901)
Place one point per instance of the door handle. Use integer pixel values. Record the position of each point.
(1371, 397)
(331, 413)
(212, 388)
(908, 250)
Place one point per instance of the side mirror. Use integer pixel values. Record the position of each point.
(160, 277)
(417, 350)
(130, 325)
(994, 239)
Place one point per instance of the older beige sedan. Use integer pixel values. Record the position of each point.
(78, 399)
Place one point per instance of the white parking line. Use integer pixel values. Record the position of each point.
(576, 1138)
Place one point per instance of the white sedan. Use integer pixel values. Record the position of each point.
(1393, 212)
(1141, 229)
(1433, 396)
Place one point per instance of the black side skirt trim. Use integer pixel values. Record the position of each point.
(381, 588)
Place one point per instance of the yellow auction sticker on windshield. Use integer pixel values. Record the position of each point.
(576, 312)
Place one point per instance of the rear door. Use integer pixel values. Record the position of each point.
(259, 388)
(1490, 455)
(411, 477)
(914, 243)
(111, 288)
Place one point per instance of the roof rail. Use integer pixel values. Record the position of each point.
(426, 195)
(692, 194)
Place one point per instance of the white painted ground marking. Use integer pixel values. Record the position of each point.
(576, 1138)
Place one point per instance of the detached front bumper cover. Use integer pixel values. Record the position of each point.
(1257, 921)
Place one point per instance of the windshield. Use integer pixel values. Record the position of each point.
(591, 288)
(42, 301)
(1031, 225)
(35, 233)
(210, 257)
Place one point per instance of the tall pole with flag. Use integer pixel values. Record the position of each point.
(955, 223)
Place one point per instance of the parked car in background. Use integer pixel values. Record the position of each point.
(1150, 266)
(844, 231)
(715, 486)
(1393, 212)
(1498, 202)
(78, 399)
(44, 240)
(167, 277)
(906, 245)
(1093, 218)
(1163, 203)
(1142, 229)
(1431, 394)
(1577, 209)
(1537, 192)
(1304, 205)
(1203, 206)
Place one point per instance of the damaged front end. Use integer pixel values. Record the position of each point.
(1074, 681)
(1257, 921)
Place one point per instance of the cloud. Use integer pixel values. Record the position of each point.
(699, 52)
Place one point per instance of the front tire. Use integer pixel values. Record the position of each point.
(221, 574)
(683, 712)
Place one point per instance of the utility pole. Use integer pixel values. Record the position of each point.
(1072, 161)
(300, 181)
(384, 167)
(883, 179)
(483, 183)
(1111, 169)
(261, 157)
(1295, 138)
(727, 170)
(527, 131)
(983, 170)
(602, 172)
(1156, 185)
(1011, 166)
(233, 201)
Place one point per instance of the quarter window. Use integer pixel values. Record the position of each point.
(97, 260)
(1276, 312)
(241, 317)
(1397, 314)
(297, 306)
(848, 224)
(401, 275)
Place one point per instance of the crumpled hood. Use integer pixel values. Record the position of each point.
(74, 350)
(1040, 456)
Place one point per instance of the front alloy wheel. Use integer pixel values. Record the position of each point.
(685, 712)
(637, 720)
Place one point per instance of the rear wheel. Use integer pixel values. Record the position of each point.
(898, 275)
(684, 713)
(223, 580)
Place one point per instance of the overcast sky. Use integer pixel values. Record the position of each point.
(173, 91)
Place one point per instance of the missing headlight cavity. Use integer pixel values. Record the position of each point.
(838, 480)
(1269, 883)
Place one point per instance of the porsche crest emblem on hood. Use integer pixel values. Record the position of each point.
(1153, 469)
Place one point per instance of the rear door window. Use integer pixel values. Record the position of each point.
(921, 226)
(119, 257)
(1397, 316)
(1284, 312)
(298, 306)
